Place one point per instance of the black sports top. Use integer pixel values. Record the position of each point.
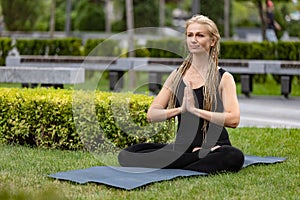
(189, 128)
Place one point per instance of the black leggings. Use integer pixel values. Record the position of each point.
(225, 158)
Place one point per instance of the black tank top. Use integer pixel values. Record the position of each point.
(189, 127)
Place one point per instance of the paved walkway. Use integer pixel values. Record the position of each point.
(275, 112)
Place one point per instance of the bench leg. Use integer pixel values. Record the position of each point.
(246, 82)
(116, 80)
(155, 82)
(55, 86)
(286, 85)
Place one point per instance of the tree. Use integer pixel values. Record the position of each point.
(21, 15)
(146, 14)
(90, 15)
(260, 8)
(52, 18)
(214, 9)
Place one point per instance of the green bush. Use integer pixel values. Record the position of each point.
(5, 47)
(246, 50)
(167, 48)
(66, 46)
(74, 120)
(174, 48)
(102, 47)
(288, 50)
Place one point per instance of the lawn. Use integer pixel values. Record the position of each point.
(24, 170)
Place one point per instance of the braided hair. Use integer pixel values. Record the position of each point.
(212, 75)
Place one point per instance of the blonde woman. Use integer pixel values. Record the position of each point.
(203, 98)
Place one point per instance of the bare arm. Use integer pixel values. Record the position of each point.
(231, 115)
(158, 109)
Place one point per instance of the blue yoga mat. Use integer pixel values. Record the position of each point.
(129, 178)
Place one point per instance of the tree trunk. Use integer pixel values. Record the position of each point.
(130, 32)
(261, 14)
(130, 26)
(68, 18)
(195, 7)
(108, 13)
(226, 18)
(162, 13)
(52, 18)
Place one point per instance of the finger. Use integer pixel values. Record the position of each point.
(190, 84)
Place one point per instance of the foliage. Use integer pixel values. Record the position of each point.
(20, 15)
(66, 46)
(279, 13)
(75, 120)
(245, 50)
(288, 51)
(102, 47)
(90, 16)
(166, 48)
(245, 14)
(5, 47)
(145, 15)
(214, 10)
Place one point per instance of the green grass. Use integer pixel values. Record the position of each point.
(24, 170)
(271, 88)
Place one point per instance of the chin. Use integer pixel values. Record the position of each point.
(197, 51)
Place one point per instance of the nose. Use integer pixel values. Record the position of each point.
(194, 39)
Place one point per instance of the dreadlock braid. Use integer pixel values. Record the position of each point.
(212, 75)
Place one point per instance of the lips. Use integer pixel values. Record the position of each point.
(194, 46)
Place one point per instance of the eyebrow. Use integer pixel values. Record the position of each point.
(201, 32)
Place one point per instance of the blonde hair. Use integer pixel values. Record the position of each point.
(212, 76)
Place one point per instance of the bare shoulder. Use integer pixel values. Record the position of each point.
(226, 79)
(227, 83)
(170, 79)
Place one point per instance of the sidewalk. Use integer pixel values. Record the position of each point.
(274, 112)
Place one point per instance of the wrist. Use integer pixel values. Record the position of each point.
(180, 109)
(196, 111)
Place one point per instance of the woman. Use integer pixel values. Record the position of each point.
(203, 97)
(272, 24)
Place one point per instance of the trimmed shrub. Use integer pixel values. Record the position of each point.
(288, 50)
(66, 46)
(5, 46)
(102, 47)
(74, 120)
(167, 48)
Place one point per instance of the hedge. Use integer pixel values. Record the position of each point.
(102, 47)
(110, 47)
(70, 119)
(66, 46)
(167, 48)
(163, 48)
(5, 47)
(230, 49)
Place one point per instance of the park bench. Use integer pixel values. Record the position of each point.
(27, 71)
(156, 67)
(54, 76)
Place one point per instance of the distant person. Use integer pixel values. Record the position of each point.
(203, 97)
(271, 23)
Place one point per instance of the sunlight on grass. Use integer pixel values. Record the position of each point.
(24, 170)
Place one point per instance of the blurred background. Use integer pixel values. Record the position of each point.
(236, 19)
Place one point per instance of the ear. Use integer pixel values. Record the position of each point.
(213, 42)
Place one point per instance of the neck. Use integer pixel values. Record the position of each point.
(200, 61)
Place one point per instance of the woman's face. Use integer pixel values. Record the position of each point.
(198, 38)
